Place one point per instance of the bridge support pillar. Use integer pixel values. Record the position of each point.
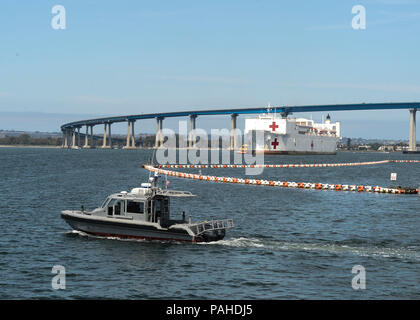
(109, 135)
(159, 136)
(65, 139)
(127, 145)
(233, 142)
(192, 131)
(160, 132)
(104, 144)
(91, 137)
(73, 142)
(130, 143)
(68, 135)
(86, 145)
(78, 137)
(412, 145)
(133, 138)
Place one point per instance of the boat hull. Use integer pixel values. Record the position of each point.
(127, 230)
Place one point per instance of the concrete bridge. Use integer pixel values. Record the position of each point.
(69, 129)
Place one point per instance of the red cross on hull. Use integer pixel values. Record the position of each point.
(273, 126)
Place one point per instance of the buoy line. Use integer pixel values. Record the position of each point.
(294, 165)
(284, 184)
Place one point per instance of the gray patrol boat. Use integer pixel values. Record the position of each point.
(143, 213)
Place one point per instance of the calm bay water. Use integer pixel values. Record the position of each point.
(287, 243)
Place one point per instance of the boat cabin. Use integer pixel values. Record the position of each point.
(145, 204)
(155, 209)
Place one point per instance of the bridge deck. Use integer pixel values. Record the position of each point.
(282, 109)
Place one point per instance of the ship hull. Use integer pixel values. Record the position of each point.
(297, 145)
(274, 152)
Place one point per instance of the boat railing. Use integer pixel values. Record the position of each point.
(173, 193)
(198, 228)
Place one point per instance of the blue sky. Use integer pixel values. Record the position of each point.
(131, 57)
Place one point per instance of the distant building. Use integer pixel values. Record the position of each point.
(386, 148)
(401, 148)
(364, 147)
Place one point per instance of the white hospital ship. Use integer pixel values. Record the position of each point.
(287, 135)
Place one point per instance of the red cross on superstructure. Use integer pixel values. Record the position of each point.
(273, 126)
(275, 143)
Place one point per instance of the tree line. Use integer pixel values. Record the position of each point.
(27, 140)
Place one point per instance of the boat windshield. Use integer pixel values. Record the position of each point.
(104, 203)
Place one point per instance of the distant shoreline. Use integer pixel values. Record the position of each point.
(148, 148)
(27, 146)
